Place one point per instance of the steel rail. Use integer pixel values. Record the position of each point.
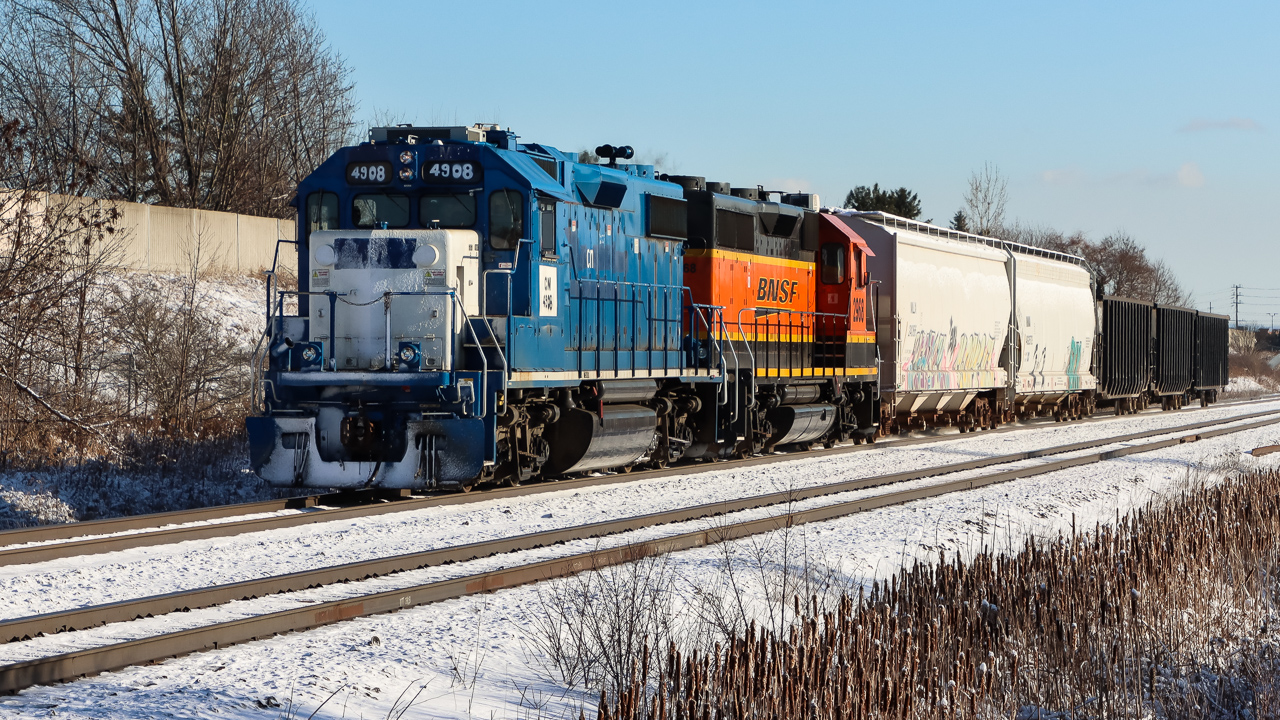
(163, 536)
(70, 665)
(66, 531)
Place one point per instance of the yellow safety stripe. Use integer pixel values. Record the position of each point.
(766, 336)
(814, 372)
(806, 336)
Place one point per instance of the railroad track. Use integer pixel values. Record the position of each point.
(160, 530)
(109, 657)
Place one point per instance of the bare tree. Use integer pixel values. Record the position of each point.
(1165, 288)
(1119, 263)
(187, 372)
(211, 104)
(985, 199)
(52, 251)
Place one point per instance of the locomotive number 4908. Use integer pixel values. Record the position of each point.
(451, 172)
(366, 173)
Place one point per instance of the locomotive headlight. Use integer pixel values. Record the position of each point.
(406, 173)
(311, 353)
(410, 355)
(325, 255)
(425, 255)
(406, 158)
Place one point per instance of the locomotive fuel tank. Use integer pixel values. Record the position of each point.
(801, 423)
(617, 436)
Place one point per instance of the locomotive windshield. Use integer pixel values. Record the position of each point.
(371, 211)
(447, 211)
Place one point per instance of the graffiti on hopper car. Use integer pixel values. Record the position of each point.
(1036, 375)
(952, 359)
(1073, 364)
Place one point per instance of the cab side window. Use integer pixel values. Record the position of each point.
(322, 211)
(547, 226)
(506, 219)
(833, 263)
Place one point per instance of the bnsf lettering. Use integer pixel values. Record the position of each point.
(779, 291)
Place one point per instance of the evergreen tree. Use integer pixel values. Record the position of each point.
(901, 202)
(960, 222)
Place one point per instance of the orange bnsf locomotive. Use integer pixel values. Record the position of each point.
(792, 290)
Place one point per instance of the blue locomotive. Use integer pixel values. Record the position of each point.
(473, 308)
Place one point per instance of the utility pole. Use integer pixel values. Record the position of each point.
(1235, 299)
(1273, 321)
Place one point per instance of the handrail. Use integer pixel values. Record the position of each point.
(333, 303)
(484, 301)
(633, 297)
(888, 220)
(778, 312)
(484, 362)
(724, 385)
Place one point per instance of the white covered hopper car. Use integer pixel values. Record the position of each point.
(974, 331)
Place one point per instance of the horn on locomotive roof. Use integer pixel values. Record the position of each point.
(614, 154)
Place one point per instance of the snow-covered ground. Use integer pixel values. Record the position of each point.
(211, 472)
(1249, 387)
(477, 657)
(75, 582)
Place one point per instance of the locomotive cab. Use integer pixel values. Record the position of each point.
(846, 335)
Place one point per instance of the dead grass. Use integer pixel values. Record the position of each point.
(1254, 365)
(1172, 613)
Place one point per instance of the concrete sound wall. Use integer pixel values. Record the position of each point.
(168, 239)
(164, 239)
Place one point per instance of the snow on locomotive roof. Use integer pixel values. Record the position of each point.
(887, 220)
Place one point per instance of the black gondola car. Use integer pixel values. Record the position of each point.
(1172, 363)
(1211, 372)
(1123, 364)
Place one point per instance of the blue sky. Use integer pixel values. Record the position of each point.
(1159, 119)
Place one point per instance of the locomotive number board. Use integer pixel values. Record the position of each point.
(441, 171)
(369, 173)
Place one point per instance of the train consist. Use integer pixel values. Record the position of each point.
(472, 309)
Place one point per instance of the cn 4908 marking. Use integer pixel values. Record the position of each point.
(472, 309)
